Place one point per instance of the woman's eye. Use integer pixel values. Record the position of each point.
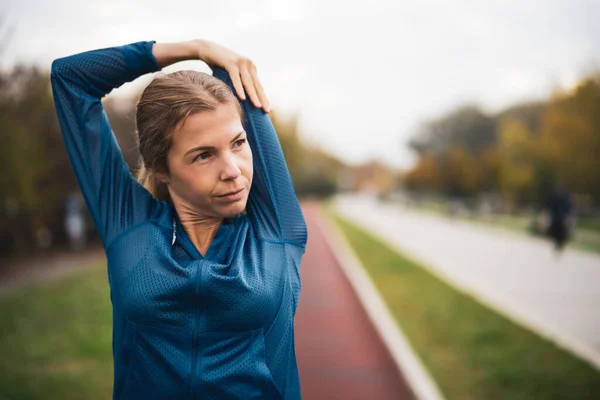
(202, 156)
(240, 142)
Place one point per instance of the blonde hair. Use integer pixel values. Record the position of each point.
(163, 107)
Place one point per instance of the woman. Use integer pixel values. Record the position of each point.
(204, 254)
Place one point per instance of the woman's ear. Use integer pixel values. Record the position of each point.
(161, 176)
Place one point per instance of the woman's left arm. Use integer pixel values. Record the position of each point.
(272, 203)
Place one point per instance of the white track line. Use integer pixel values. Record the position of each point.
(413, 371)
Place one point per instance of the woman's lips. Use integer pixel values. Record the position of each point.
(232, 196)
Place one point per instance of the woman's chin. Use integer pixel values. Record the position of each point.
(233, 209)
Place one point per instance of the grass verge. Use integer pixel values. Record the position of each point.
(55, 339)
(471, 351)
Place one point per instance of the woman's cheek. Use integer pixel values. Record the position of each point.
(248, 159)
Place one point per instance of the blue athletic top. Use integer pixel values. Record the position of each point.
(186, 325)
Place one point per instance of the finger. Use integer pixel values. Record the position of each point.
(234, 73)
(249, 86)
(262, 97)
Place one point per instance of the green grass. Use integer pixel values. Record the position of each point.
(590, 224)
(55, 339)
(471, 351)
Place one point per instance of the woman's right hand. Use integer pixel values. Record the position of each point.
(241, 70)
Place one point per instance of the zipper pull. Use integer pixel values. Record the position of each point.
(174, 232)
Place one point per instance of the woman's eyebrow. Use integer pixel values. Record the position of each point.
(237, 136)
(210, 148)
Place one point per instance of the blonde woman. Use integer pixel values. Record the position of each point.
(204, 248)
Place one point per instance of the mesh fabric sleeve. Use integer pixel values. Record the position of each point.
(115, 199)
(272, 203)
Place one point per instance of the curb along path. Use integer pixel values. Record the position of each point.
(340, 354)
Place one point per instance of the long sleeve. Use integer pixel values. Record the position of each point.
(115, 199)
(272, 203)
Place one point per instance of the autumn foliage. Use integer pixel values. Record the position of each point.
(519, 153)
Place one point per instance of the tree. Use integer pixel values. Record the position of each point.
(36, 170)
(459, 172)
(515, 160)
(520, 152)
(424, 176)
(467, 127)
(314, 171)
(569, 141)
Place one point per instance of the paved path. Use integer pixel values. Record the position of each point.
(558, 297)
(340, 355)
(16, 274)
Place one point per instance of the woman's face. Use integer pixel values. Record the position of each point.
(210, 164)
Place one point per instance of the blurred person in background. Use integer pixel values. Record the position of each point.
(204, 248)
(560, 217)
(75, 222)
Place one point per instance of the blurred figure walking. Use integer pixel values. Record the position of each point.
(560, 213)
(75, 222)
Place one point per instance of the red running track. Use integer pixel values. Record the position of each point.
(339, 353)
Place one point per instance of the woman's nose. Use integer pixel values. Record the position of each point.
(230, 170)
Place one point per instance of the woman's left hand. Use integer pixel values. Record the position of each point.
(241, 69)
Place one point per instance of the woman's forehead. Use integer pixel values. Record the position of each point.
(209, 128)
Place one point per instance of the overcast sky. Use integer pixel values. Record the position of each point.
(361, 75)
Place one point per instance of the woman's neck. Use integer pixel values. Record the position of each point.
(201, 229)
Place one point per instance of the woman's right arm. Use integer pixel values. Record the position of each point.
(115, 199)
